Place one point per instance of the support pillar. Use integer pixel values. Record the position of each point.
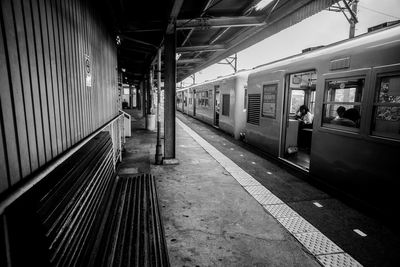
(143, 97)
(158, 145)
(150, 116)
(139, 96)
(169, 98)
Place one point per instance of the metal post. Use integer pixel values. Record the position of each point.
(158, 146)
(169, 98)
(352, 20)
(149, 91)
(145, 96)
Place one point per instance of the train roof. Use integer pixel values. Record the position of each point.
(388, 34)
(238, 73)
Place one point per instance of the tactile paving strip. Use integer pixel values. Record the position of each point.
(338, 260)
(257, 190)
(247, 181)
(297, 225)
(317, 243)
(281, 211)
(327, 252)
(267, 199)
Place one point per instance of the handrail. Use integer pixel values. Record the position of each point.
(25, 186)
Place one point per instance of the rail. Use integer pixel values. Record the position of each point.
(116, 128)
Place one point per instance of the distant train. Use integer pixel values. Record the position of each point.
(357, 154)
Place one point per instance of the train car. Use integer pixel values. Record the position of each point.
(179, 100)
(220, 103)
(356, 153)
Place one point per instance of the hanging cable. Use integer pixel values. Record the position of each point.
(379, 12)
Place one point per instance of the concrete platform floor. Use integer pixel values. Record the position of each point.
(209, 219)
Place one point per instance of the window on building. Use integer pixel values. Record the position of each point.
(269, 100)
(342, 103)
(225, 104)
(386, 118)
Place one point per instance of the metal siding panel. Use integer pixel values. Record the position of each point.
(6, 117)
(17, 108)
(59, 67)
(3, 167)
(54, 32)
(79, 69)
(78, 129)
(37, 32)
(53, 77)
(84, 52)
(63, 67)
(34, 83)
(73, 101)
(48, 80)
(69, 78)
(26, 84)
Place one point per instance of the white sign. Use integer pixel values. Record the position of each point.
(88, 71)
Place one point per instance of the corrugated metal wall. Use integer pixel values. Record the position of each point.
(46, 105)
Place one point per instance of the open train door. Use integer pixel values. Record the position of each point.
(297, 134)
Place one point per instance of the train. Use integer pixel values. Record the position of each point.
(359, 159)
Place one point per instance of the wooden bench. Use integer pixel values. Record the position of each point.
(82, 214)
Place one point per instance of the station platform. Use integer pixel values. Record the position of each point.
(224, 205)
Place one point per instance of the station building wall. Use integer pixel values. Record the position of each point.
(58, 81)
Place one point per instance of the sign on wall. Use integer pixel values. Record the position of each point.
(269, 100)
(88, 71)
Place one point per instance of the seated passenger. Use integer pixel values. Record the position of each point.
(304, 116)
(304, 137)
(340, 112)
(349, 118)
(340, 118)
(354, 115)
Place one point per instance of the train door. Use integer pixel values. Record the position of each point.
(299, 115)
(217, 102)
(194, 103)
(185, 103)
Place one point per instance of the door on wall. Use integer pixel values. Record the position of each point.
(298, 133)
(217, 104)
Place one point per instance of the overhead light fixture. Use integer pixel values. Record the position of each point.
(262, 4)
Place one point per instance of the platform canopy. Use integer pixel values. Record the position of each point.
(207, 31)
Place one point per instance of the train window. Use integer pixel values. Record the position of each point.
(386, 120)
(296, 100)
(342, 103)
(269, 100)
(225, 104)
(302, 91)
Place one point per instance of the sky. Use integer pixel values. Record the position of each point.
(323, 28)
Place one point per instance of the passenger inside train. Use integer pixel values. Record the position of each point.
(349, 117)
(305, 117)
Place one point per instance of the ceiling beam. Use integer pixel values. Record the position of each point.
(241, 21)
(280, 19)
(189, 60)
(198, 48)
(124, 37)
(174, 14)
